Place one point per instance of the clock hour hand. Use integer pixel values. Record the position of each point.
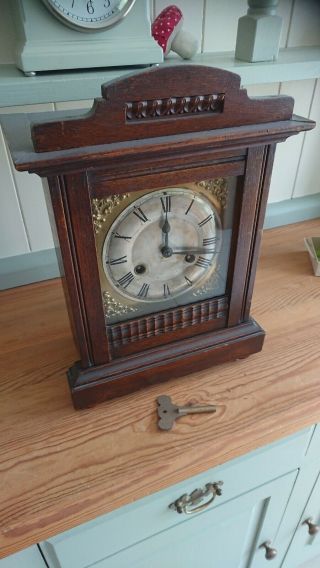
(166, 229)
(166, 250)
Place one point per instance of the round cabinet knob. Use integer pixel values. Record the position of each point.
(312, 527)
(270, 552)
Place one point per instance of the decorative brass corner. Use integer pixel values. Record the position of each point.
(209, 284)
(217, 187)
(101, 208)
(114, 308)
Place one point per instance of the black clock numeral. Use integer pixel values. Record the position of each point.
(125, 280)
(107, 4)
(166, 291)
(143, 292)
(140, 214)
(90, 7)
(209, 241)
(166, 203)
(203, 262)
(117, 236)
(120, 260)
(206, 220)
(72, 3)
(189, 282)
(187, 211)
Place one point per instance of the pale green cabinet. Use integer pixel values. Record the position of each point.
(224, 536)
(28, 558)
(227, 534)
(266, 497)
(305, 544)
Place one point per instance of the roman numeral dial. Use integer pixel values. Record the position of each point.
(203, 262)
(143, 292)
(125, 280)
(161, 248)
(205, 221)
(166, 203)
(140, 214)
(120, 260)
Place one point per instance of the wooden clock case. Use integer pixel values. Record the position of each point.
(161, 127)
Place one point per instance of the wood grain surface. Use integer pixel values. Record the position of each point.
(61, 467)
(204, 98)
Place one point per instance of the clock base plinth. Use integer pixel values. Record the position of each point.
(125, 375)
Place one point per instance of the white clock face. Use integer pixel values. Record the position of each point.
(89, 15)
(162, 245)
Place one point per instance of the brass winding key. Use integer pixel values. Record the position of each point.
(169, 412)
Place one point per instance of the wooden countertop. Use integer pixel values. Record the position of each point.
(61, 467)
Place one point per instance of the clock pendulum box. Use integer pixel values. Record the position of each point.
(189, 127)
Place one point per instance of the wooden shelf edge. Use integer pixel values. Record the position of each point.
(294, 63)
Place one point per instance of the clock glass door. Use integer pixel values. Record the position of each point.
(163, 248)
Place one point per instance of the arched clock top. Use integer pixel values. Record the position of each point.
(162, 101)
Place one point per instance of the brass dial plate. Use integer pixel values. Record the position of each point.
(136, 276)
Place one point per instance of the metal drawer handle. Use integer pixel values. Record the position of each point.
(185, 503)
(271, 553)
(312, 527)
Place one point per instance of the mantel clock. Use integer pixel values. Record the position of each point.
(159, 196)
(55, 35)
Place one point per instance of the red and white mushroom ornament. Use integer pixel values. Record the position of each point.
(168, 33)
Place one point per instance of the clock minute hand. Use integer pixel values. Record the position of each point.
(194, 251)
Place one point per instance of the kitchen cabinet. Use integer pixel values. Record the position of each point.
(266, 498)
(28, 558)
(306, 541)
(257, 517)
(226, 536)
(228, 532)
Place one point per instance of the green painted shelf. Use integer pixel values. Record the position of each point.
(295, 63)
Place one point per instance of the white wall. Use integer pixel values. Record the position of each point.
(23, 216)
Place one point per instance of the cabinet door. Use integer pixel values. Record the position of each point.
(28, 558)
(225, 536)
(306, 542)
(314, 563)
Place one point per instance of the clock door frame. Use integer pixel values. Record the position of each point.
(152, 129)
(199, 316)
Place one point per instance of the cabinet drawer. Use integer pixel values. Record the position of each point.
(227, 536)
(107, 535)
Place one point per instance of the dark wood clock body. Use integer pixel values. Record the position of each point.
(165, 126)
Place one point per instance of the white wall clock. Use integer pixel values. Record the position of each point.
(83, 34)
(89, 15)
